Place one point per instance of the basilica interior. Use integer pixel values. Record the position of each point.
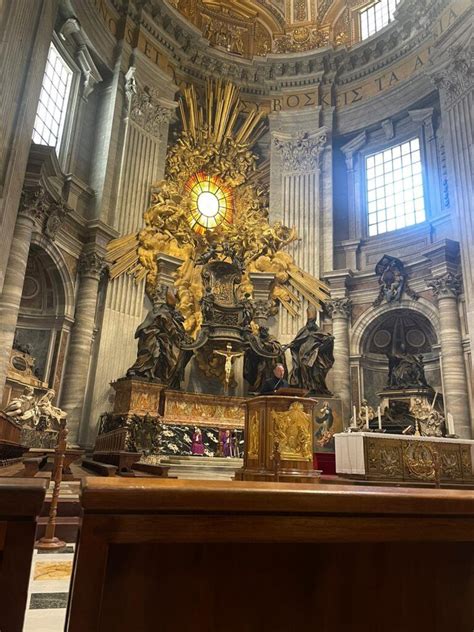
(236, 315)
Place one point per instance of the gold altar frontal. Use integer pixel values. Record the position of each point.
(279, 427)
(140, 397)
(407, 459)
(200, 409)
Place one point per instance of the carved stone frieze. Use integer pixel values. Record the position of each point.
(447, 286)
(300, 152)
(339, 307)
(146, 112)
(456, 78)
(91, 265)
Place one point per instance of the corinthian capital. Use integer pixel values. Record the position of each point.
(447, 286)
(454, 80)
(46, 213)
(91, 265)
(339, 307)
(301, 152)
(147, 112)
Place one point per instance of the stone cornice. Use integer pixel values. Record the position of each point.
(196, 57)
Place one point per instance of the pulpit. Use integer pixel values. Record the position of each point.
(279, 439)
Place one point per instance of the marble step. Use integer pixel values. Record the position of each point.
(202, 468)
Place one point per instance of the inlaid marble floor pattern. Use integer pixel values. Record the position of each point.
(48, 590)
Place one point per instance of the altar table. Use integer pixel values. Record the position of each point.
(380, 456)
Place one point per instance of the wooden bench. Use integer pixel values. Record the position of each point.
(33, 465)
(104, 469)
(20, 506)
(219, 556)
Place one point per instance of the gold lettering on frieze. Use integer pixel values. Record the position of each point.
(295, 101)
(106, 15)
(405, 69)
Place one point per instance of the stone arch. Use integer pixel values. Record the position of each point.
(58, 267)
(368, 318)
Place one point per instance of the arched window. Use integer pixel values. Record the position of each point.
(394, 188)
(54, 100)
(375, 17)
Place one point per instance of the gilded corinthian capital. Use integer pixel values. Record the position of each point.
(300, 152)
(339, 307)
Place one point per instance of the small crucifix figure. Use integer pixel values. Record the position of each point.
(229, 356)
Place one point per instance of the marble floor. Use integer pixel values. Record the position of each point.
(48, 590)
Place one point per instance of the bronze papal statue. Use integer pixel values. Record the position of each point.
(160, 337)
(312, 357)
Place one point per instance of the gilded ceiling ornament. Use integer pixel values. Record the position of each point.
(213, 194)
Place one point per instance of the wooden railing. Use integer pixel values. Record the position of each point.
(112, 441)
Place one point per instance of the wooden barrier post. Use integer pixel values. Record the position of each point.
(49, 540)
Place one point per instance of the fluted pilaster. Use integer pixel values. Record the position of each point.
(300, 157)
(453, 76)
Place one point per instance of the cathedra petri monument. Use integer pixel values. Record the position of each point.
(217, 277)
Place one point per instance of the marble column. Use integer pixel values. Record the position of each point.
(446, 289)
(340, 311)
(32, 208)
(79, 354)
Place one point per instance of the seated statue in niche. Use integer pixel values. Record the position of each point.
(312, 357)
(160, 336)
(261, 358)
(406, 371)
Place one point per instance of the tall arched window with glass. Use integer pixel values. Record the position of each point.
(394, 188)
(53, 102)
(375, 17)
